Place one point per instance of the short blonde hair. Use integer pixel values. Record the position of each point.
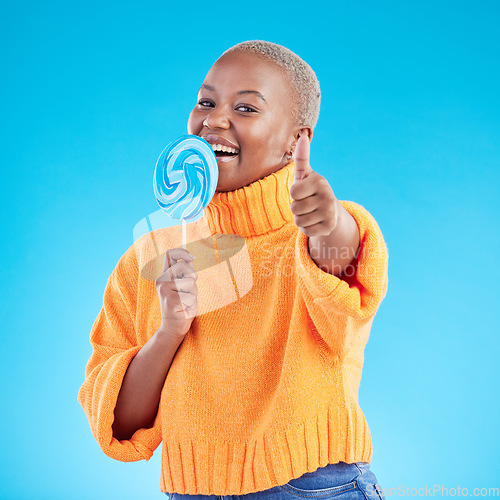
(302, 77)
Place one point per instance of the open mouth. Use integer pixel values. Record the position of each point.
(224, 149)
(225, 153)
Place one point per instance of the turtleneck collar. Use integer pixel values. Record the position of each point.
(260, 207)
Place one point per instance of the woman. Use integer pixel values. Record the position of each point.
(255, 396)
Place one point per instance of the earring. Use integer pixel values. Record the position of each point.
(289, 155)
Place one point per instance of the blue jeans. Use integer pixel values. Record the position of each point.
(340, 481)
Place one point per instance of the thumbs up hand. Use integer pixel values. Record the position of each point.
(315, 207)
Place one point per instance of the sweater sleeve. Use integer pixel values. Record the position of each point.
(114, 343)
(358, 294)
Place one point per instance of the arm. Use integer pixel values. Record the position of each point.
(114, 345)
(334, 253)
(333, 233)
(139, 397)
(341, 238)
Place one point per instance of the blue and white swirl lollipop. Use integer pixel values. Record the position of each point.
(185, 179)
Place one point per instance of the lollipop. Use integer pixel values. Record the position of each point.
(185, 179)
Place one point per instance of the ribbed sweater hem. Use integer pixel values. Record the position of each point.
(199, 468)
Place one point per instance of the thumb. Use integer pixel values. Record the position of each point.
(302, 166)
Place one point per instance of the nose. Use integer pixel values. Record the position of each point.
(217, 118)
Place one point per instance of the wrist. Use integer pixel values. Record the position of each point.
(170, 330)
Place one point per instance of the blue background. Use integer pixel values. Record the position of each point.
(409, 128)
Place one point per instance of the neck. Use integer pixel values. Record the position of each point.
(260, 207)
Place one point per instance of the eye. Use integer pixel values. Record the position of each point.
(204, 103)
(245, 109)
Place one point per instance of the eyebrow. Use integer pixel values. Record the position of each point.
(209, 87)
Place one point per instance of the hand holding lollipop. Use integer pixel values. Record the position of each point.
(185, 179)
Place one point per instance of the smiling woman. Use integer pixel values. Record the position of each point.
(260, 395)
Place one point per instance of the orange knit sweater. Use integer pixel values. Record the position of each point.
(264, 386)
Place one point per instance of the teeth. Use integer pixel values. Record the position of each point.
(225, 149)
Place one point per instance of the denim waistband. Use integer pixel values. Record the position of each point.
(332, 474)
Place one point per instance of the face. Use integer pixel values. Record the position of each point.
(246, 107)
